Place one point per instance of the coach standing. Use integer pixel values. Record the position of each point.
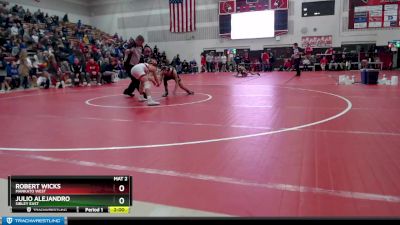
(133, 56)
(297, 52)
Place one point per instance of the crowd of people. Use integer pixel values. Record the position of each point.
(41, 51)
(309, 60)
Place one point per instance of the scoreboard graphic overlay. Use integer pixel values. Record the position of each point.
(70, 194)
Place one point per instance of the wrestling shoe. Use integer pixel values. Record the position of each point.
(191, 93)
(141, 99)
(165, 95)
(126, 92)
(151, 102)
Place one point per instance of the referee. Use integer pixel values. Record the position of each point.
(133, 56)
(297, 52)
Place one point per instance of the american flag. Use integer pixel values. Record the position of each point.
(182, 15)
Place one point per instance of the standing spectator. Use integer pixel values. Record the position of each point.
(203, 63)
(25, 65)
(238, 61)
(223, 63)
(93, 71)
(178, 64)
(217, 61)
(209, 60)
(265, 61)
(65, 18)
(308, 51)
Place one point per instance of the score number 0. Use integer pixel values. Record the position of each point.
(121, 200)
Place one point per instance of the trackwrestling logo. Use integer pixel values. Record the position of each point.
(33, 220)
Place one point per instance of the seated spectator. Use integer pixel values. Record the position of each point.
(5, 81)
(55, 72)
(13, 73)
(323, 63)
(185, 67)
(76, 72)
(66, 73)
(193, 66)
(107, 70)
(14, 30)
(287, 66)
(306, 64)
(35, 37)
(93, 71)
(44, 80)
(334, 63)
(345, 63)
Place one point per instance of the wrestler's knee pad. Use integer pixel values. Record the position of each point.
(147, 85)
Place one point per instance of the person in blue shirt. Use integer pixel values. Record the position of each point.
(13, 74)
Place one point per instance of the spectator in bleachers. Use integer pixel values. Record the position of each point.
(65, 18)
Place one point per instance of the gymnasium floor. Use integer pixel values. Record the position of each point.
(271, 146)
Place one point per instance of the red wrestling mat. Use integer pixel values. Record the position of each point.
(269, 146)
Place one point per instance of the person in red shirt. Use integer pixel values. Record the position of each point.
(265, 61)
(323, 62)
(309, 50)
(93, 71)
(203, 63)
(288, 65)
(329, 51)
